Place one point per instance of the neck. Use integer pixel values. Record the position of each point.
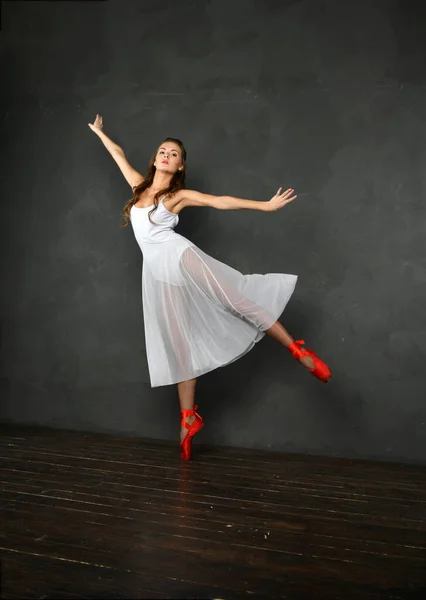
(160, 181)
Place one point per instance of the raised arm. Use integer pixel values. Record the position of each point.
(133, 177)
(194, 198)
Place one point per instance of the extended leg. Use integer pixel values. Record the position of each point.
(308, 358)
(209, 279)
(279, 333)
(216, 287)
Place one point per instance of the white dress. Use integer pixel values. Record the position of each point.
(199, 313)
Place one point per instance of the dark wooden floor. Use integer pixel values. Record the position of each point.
(97, 516)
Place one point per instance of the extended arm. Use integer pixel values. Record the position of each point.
(133, 177)
(194, 198)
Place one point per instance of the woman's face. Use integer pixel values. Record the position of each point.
(168, 158)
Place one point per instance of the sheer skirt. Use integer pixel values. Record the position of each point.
(201, 314)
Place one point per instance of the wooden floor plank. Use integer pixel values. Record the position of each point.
(86, 582)
(94, 515)
(282, 475)
(245, 488)
(276, 551)
(202, 500)
(235, 458)
(400, 533)
(348, 535)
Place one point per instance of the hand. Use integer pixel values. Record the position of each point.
(280, 199)
(97, 124)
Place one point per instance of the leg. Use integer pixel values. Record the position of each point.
(186, 393)
(279, 333)
(211, 280)
(224, 293)
(176, 323)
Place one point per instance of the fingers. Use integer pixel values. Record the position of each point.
(285, 200)
(97, 123)
(280, 200)
(284, 194)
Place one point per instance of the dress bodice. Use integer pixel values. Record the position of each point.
(149, 233)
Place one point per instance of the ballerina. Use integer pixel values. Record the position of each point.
(199, 314)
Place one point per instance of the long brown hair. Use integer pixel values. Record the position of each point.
(177, 182)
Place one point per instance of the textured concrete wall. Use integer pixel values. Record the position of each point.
(327, 97)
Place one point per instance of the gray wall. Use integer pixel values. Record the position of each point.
(327, 97)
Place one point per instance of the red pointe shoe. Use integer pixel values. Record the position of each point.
(196, 425)
(320, 369)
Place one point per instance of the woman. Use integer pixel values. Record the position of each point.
(199, 314)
